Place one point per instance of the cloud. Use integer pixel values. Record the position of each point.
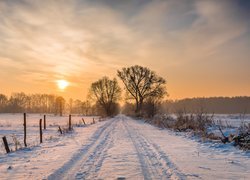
(41, 41)
(218, 23)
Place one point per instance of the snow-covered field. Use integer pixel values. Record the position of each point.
(11, 125)
(124, 148)
(230, 124)
(233, 120)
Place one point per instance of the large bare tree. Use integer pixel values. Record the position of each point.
(141, 83)
(106, 93)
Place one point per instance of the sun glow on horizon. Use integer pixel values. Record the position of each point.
(62, 84)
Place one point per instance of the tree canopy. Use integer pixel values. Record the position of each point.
(142, 83)
(106, 93)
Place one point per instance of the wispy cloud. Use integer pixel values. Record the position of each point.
(42, 41)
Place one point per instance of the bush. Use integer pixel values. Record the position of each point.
(242, 140)
(197, 123)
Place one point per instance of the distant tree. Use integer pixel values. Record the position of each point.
(128, 108)
(220, 105)
(76, 106)
(32, 103)
(60, 105)
(106, 93)
(152, 106)
(141, 83)
(17, 102)
(70, 106)
(3, 102)
(51, 103)
(79, 107)
(86, 108)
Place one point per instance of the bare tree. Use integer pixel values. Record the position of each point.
(60, 105)
(3, 102)
(17, 102)
(106, 93)
(86, 108)
(70, 106)
(141, 83)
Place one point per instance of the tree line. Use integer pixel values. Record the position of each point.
(43, 103)
(219, 105)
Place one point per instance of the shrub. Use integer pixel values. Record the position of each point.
(198, 123)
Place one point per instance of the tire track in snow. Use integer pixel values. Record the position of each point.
(93, 163)
(155, 163)
(89, 158)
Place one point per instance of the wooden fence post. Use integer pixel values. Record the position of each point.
(59, 129)
(69, 122)
(24, 125)
(41, 131)
(44, 122)
(5, 142)
(83, 121)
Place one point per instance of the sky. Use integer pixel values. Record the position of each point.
(201, 47)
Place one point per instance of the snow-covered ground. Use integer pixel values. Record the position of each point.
(232, 120)
(227, 120)
(125, 148)
(230, 124)
(11, 125)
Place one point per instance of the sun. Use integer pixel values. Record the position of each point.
(62, 84)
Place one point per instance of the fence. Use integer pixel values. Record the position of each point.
(27, 130)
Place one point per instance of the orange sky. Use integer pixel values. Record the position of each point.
(200, 47)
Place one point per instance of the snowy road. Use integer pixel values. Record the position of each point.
(122, 148)
(108, 156)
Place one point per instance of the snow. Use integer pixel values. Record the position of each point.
(230, 124)
(121, 147)
(196, 159)
(36, 162)
(232, 120)
(12, 125)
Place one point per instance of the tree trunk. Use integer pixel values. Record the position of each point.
(138, 108)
